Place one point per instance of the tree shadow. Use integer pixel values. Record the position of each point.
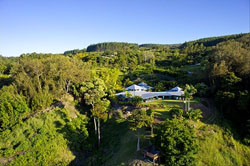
(212, 116)
(57, 103)
(82, 141)
(75, 133)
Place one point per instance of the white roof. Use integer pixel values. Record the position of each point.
(175, 89)
(147, 95)
(143, 84)
(134, 87)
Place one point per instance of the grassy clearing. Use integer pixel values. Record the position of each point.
(162, 107)
(169, 103)
(126, 153)
(113, 133)
(127, 150)
(218, 146)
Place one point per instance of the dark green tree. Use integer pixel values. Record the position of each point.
(12, 107)
(93, 93)
(177, 142)
(202, 89)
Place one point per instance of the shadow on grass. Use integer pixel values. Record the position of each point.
(75, 133)
(113, 132)
(218, 125)
(82, 141)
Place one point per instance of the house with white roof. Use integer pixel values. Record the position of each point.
(136, 90)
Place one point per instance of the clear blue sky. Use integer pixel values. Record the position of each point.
(54, 26)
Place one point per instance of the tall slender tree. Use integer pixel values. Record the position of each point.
(93, 92)
(137, 120)
(189, 91)
(100, 112)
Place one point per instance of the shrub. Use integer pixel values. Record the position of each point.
(137, 100)
(176, 112)
(247, 140)
(194, 114)
(202, 89)
(118, 114)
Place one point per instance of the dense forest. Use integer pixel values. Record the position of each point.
(61, 109)
(111, 46)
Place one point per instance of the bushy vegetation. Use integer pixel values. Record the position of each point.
(177, 142)
(47, 139)
(35, 129)
(194, 114)
(230, 71)
(13, 107)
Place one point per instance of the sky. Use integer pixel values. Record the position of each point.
(54, 26)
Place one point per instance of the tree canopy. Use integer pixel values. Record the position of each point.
(177, 142)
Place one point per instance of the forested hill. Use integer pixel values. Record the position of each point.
(75, 51)
(115, 46)
(111, 46)
(212, 41)
(157, 46)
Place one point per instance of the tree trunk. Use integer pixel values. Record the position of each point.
(185, 105)
(67, 85)
(188, 104)
(152, 130)
(95, 126)
(99, 132)
(94, 120)
(39, 83)
(138, 140)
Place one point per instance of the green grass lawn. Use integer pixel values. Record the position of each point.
(219, 147)
(127, 150)
(126, 153)
(162, 107)
(170, 103)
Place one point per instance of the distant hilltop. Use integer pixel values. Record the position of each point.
(114, 46)
(111, 46)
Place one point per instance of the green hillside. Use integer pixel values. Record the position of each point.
(218, 143)
(51, 137)
(61, 109)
